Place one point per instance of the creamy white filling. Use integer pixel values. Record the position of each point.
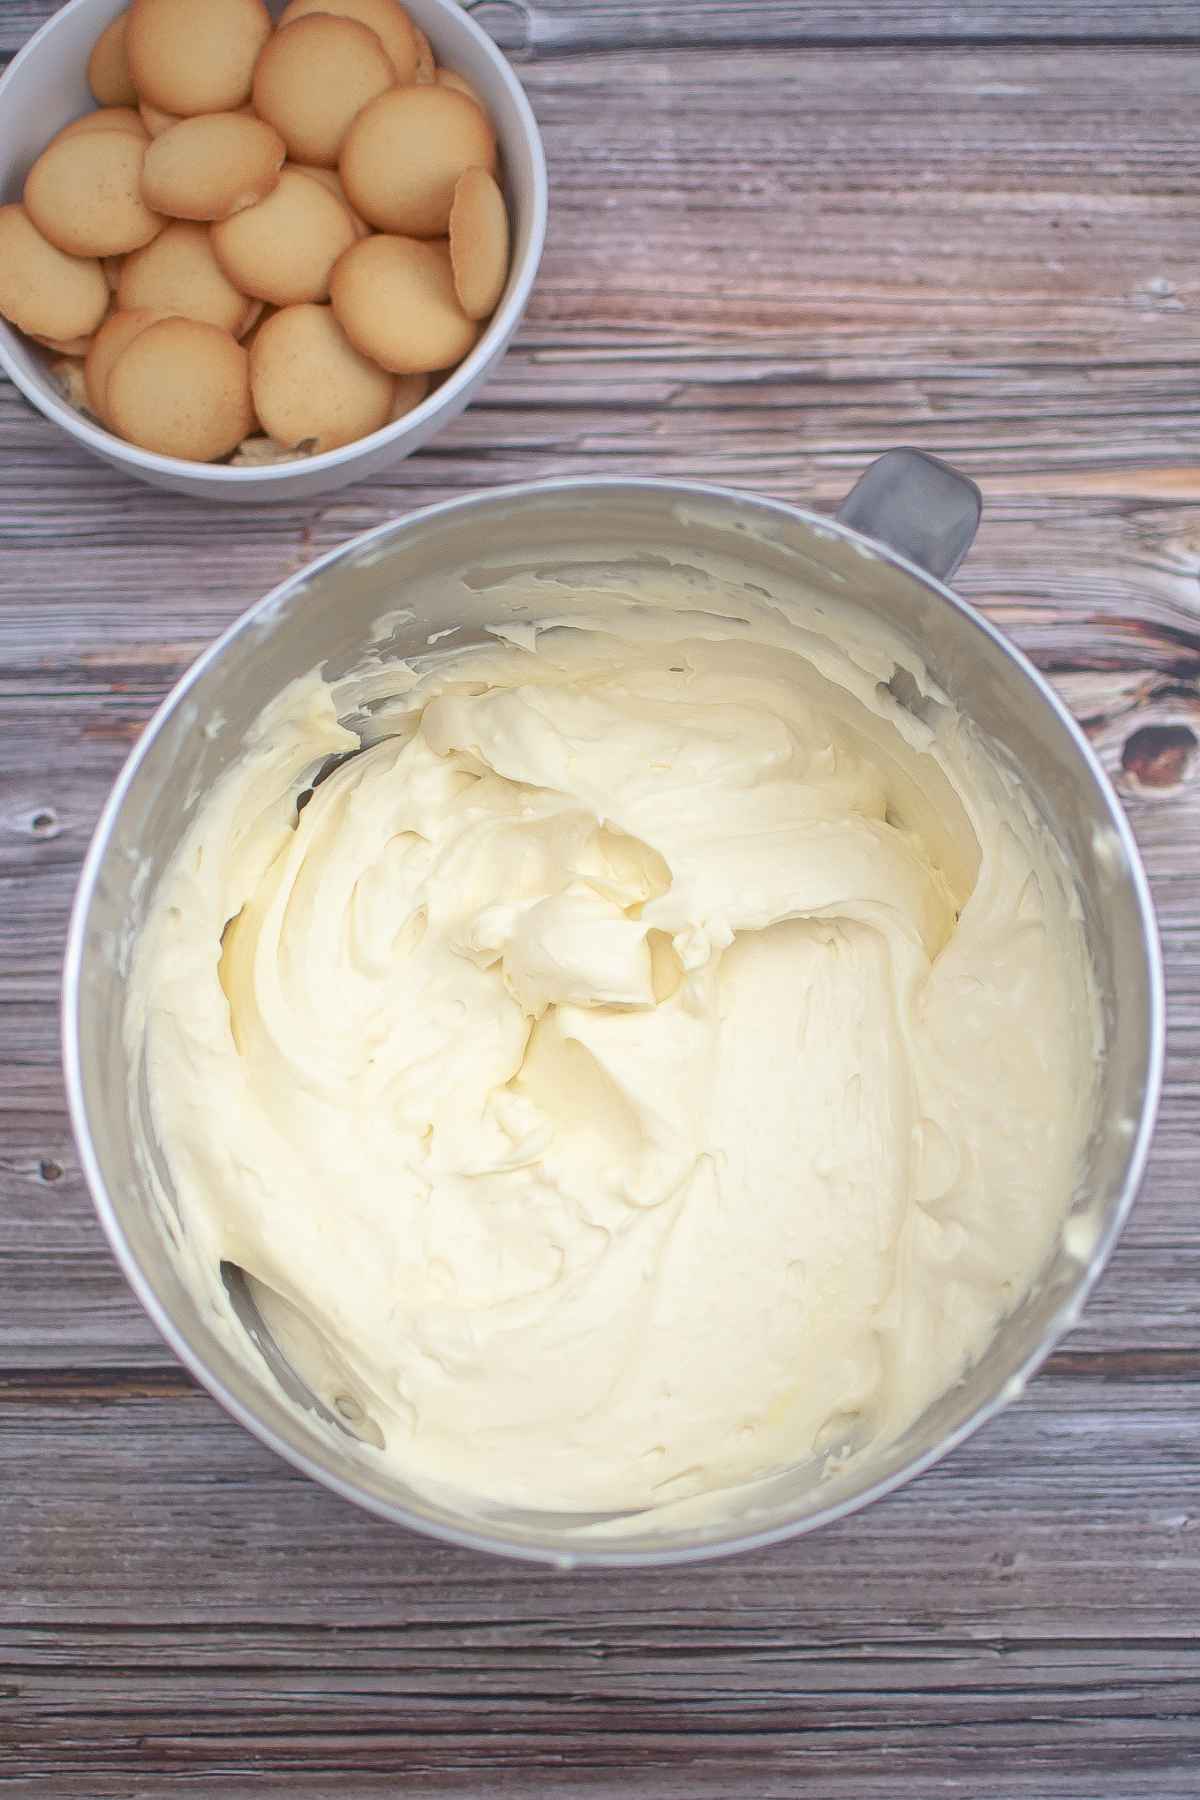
(661, 1059)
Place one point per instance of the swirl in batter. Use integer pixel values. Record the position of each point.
(656, 1058)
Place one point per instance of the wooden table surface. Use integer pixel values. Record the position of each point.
(783, 238)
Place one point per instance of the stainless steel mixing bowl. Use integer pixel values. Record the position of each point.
(904, 528)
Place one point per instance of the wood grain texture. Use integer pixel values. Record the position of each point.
(536, 28)
(970, 228)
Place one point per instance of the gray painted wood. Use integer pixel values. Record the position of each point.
(763, 269)
(555, 27)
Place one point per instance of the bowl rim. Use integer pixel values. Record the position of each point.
(600, 1554)
(499, 329)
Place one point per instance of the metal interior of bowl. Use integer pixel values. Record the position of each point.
(441, 565)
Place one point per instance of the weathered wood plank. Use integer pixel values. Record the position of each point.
(538, 28)
(855, 1654)
(533, 28)
(980, 236)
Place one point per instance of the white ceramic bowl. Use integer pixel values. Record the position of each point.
(45, 87)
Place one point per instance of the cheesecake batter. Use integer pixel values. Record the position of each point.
(658, 1052)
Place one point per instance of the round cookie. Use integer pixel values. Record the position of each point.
(310, 385)
(42, 290)
(283, 249)
(155, 120)
(394, 298)
(386, 18)
(195, 56)
(178, 273)
(314, 77)
(452, 79)
(182, 388)
(212, 166)
(409, 392)
(404, 153)
(251, 332)
(114, 336)
(253, 318)
(84, 194)
(106, 118)
(108, 66)
(69, 347)
(478, 243)
(426, 67)
(329, 178)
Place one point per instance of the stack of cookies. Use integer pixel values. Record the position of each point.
(268, 241)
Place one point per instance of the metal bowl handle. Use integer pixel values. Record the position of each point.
(917, 505)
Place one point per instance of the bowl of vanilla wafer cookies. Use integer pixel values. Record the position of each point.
(254, 251)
